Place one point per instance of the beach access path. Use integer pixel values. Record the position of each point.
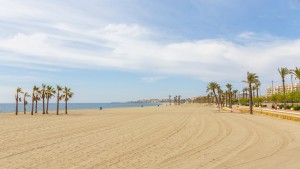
(185, 136)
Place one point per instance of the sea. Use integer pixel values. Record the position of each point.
(11, 107)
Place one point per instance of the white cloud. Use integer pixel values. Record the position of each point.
(130, 47)
(60, 36)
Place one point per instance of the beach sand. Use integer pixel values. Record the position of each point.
(186, 136)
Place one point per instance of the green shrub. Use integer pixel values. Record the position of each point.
(296, 107)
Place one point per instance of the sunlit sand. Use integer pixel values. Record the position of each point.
(186, 136)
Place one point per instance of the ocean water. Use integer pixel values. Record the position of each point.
(11, 107)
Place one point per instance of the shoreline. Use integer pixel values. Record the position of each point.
(78, 106)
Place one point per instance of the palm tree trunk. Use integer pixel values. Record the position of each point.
(24, 106)
(17, 103)
(250, 97)
(226, 97)
(47, 105)
(217, 102)
(57, 104)
(66, 107)
(36, 102)
(43, 103)
(220, 101)
(32, 104)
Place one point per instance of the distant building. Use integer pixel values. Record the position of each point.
(279, 89)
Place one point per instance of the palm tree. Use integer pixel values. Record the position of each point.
(226, 95)
(67, 94)
(220, 94)
(58, 89)
(296, 72)
(175, 100)
(50, 91)
(229, 88)
(19, 90)
(283, 72)
(25, 101)
(43, 92)
(257, 86)
(254, 89)
(246, 91)
(251, 78)
(37, 98)
(34, 95)
(212, 86)
(235, 93)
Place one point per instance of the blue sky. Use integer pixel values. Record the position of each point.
(109, 50)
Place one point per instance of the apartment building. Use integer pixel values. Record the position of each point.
(279, 89)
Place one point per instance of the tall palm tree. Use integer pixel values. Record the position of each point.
(37, 98)
(229, 88)
(18, 99)
(212, 86)
(296, 72)
(257, 86)
(283, 72)
(220, 94)
(251, 78)
(25, 101)
(43, 95)
(67, 94)
(246, 92)
(34, 95)
(226, 95)
(58, 89)
(50, 91)
(175, 100)
(253, 90)
(235, 93)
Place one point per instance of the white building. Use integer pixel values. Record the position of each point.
(279, 89)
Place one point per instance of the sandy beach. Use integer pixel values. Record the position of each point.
(187, 136)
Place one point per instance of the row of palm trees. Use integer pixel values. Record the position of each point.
(45, 93)
(284, 71)
(177, 100)
(253, 84)
(218, 93)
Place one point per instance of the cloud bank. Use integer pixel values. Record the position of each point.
(68, 38)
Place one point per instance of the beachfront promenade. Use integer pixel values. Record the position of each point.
(280, 113)
(185, 136)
